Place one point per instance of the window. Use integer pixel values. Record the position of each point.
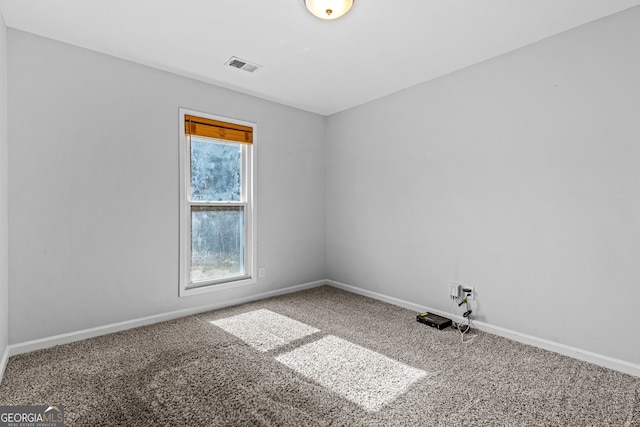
(216, 203)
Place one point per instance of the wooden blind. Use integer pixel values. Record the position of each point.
(199, 126)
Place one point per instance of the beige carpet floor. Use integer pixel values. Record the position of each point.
(321, 357)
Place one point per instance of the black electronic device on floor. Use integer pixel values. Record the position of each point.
(433, 320)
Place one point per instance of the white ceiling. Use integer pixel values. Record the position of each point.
(322, 66)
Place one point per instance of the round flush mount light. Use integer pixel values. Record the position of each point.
(328, 9)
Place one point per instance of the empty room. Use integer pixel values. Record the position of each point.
(319, 212)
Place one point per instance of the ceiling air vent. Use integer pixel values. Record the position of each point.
(241, 64)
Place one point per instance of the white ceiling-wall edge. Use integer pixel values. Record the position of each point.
(474, 63)
(179, 73)
(330, 104)
(329, 111)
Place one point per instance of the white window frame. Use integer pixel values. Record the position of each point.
(188, 288)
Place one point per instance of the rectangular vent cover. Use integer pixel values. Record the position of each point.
(242, 64)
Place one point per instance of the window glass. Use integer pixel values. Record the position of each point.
(217, 242)
(215, 170)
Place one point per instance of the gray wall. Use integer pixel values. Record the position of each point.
(93, 200)
(4, 210)
(519, 176)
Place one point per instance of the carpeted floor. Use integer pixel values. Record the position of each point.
(318, 357)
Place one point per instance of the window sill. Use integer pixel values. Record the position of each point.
(216, 287)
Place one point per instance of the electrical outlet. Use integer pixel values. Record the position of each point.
(469, 293)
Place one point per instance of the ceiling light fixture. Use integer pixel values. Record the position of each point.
(328, 9)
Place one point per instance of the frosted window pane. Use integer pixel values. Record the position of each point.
(215, 170)
(217, 242)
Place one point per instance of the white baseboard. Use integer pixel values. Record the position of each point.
(576, 353)
(42, 343)
(3, 362)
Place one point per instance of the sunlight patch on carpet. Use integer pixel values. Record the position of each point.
(363, 376)
(264, 329)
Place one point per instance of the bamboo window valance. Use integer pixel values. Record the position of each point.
(199, 126)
